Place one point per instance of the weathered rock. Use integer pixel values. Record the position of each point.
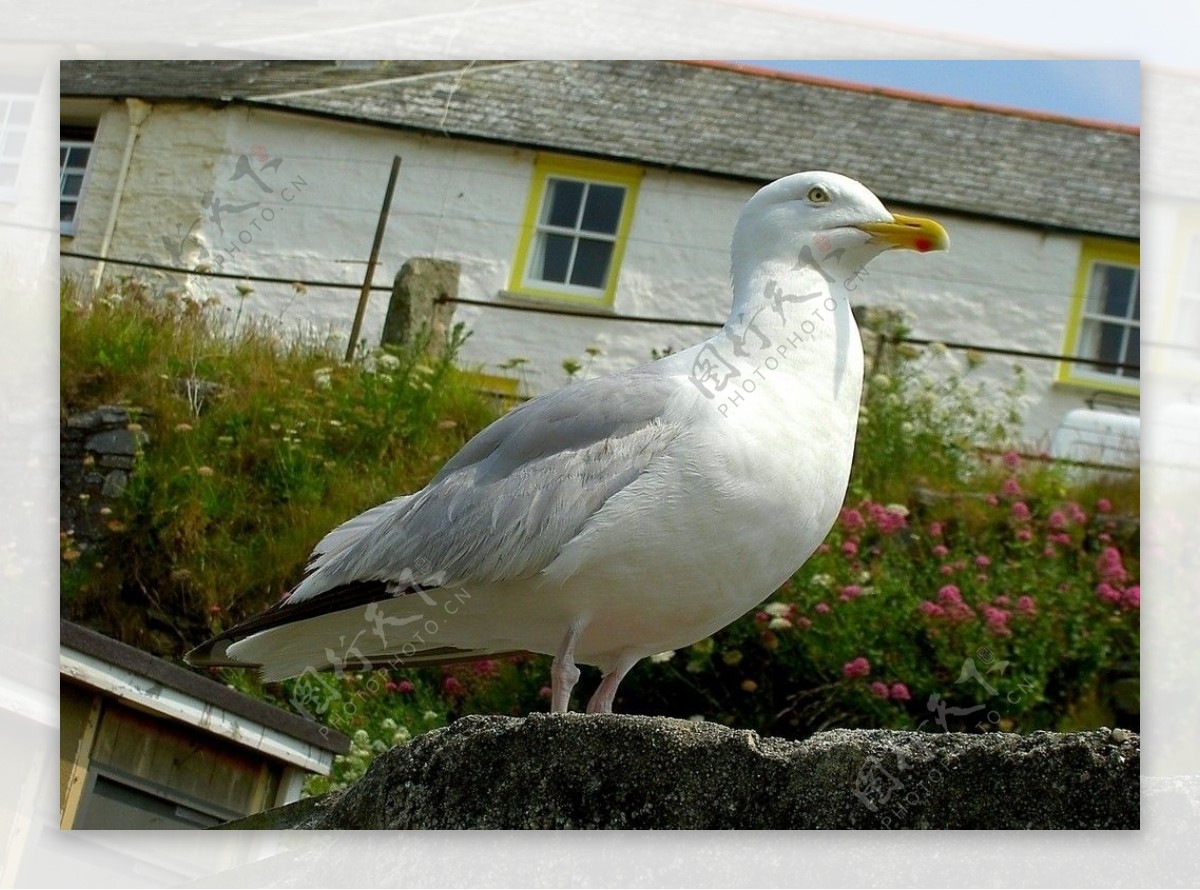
(98, 450)
(422, 300)
(117, 442)
(619, 771)
(114, 484)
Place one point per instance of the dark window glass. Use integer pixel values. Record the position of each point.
(562, 202)
(603, 210)
(591, 262)
(556, 257)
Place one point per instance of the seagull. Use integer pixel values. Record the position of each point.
(627, 515)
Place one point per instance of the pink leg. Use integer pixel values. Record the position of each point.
(563, 673)
(606, 692)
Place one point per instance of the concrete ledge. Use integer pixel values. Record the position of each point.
(622, 771)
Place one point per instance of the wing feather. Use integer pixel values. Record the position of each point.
(504, 506)
(502, 509)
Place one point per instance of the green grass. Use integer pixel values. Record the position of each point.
(235, 488)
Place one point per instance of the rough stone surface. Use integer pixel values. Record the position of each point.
(419, 302)
(619, 771)
(120, 442)
(98, 450)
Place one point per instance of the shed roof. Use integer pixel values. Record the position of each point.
(714, 119)
(106, 649)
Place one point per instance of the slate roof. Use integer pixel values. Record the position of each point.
(713, 119)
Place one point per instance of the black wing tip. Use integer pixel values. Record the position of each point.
(214, 653)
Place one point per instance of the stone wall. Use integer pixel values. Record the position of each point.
(99, 449)
(621, 771)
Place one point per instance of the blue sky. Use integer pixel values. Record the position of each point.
(1099, 90)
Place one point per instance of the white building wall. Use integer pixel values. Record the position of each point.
(1000, 285)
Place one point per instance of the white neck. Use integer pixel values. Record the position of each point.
(790, 330)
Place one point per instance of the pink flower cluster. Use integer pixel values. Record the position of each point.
(951, 607)
(896, 692)
(997, 621)
(1111, 567)
(850, 592)
(869, 514)
(857, 667)
(1113, 579)
(1011, 488)
(852, 520)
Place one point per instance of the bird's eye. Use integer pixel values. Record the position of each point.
(818, 195)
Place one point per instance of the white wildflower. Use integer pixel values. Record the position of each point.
(822, 580)
(663, 657)
(323, 378)
(388, 361)
(898, 509)
(777, 610)
(779, 624)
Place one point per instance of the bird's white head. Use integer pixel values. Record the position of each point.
(824, 216)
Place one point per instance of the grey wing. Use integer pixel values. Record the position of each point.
(504, 506)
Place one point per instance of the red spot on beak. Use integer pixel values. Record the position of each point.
(923, 244)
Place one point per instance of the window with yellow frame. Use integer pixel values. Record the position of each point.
(576, 224)
(1105, 319)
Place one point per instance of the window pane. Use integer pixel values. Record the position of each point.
(1133, 353)
(563, 197)
(555, 256)
(591, 263)
(66, 211)
(72, 183)
(1137, 301)
(62, 155)
(1111, 290)
(1109, 345)
(603, 210)
(79, 156)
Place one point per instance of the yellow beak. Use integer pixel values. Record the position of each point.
(909, 233)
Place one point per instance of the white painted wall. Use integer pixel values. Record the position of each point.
(1000, 285)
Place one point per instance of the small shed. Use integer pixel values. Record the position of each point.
(148, 744)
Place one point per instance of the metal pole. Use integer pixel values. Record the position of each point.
(366, 288)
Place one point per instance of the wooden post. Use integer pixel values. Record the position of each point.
(422, 300)
(366, 288)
